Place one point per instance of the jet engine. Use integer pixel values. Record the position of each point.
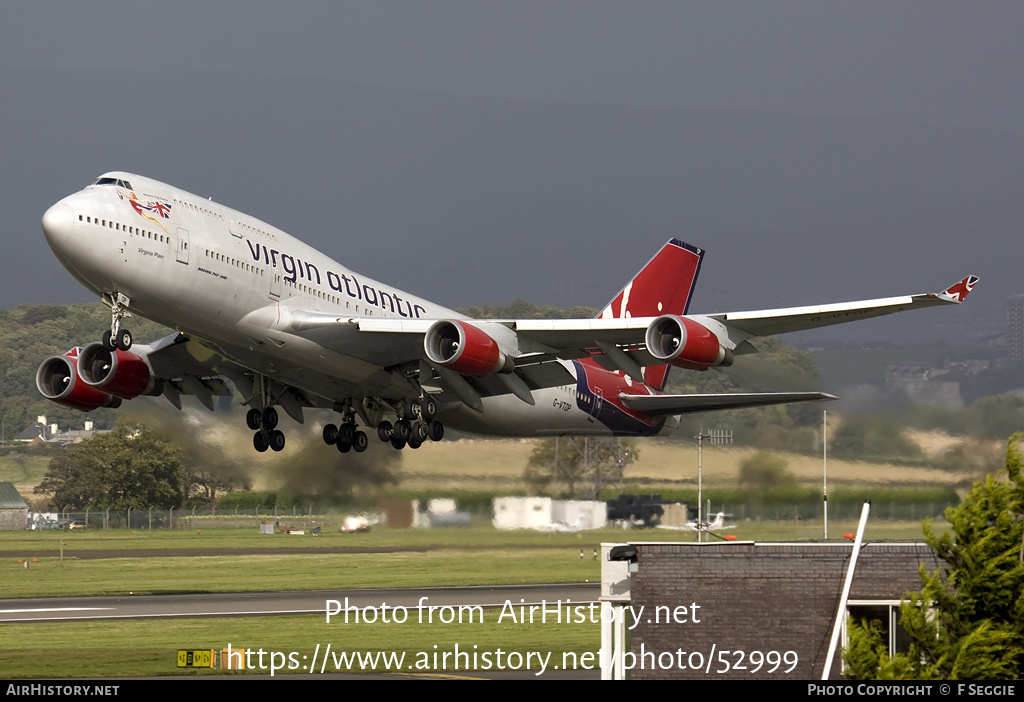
(680, 341)
(466, 349)
(57, 379)
(121, 373)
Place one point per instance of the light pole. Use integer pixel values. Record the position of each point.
(716, 437)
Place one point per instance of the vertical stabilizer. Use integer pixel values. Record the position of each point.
(663, 286)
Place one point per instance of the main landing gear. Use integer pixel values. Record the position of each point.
(264, 423)
(346, 437)
(414, 426)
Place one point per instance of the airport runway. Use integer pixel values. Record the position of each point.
(257, 604)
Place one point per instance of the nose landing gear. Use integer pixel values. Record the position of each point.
(117, 338)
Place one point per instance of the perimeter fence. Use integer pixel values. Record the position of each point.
(291, 518)
(294, 518)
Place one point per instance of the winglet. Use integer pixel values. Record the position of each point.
(958, 291)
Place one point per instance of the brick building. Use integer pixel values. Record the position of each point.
(716, 610)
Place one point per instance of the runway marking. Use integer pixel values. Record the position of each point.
(55, 609)
(193, 614)
(156, 615)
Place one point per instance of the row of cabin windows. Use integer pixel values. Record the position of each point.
(235, 262)
(201, 210)
(253, 230)
(128, 229)
(211, 213)
(307, 289)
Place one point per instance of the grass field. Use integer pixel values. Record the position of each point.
(148, 648)
(465, 561)
(488, 464)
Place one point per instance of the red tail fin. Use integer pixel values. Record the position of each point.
(663, 286)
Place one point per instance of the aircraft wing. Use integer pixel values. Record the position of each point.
(781, 321)
(89, 377)
(186, 367)
(615, 343)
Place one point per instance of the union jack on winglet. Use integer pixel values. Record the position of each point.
(960, 290)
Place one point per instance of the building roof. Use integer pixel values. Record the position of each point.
(10, 498)
(33, 431)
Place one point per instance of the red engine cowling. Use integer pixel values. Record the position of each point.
(120, 373)
(463, 348)
(680, 341)
(57, 379)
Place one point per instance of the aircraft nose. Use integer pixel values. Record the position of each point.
(58, 223)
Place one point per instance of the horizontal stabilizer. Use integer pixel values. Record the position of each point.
(683, 404)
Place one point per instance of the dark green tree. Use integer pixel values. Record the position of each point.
(876, 436)
(764, 471)
(967, 621)
(582, 464)
(128, 467)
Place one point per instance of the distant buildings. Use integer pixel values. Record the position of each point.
(41, 432)
(1015, 329)
(922, 383)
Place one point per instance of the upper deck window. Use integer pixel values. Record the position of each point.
(113, 181)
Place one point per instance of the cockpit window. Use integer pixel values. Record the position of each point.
(113, 181)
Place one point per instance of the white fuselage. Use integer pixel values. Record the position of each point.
(232, 281)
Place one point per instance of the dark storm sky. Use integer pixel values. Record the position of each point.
(476, 152)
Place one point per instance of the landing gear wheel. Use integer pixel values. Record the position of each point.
(344, 446)
(259, 442)
(428, 408)
(253, 418)
(108, 341)
(385, 430)
(419, 433)
(403, 430)
(124, 340)
(435, 430)
(414, 444)
(397, 443)
(277, 440)
(360, 442)
(270, 418)
(330, 434)
(346, 432)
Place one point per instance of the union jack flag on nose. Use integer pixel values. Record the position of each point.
(959, 291)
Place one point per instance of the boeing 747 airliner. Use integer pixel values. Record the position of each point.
(260, 313)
